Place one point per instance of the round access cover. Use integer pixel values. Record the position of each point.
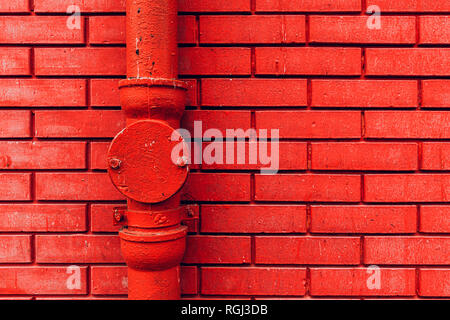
(140, 162)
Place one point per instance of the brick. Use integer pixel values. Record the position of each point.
(308, 61)
(221, 120)
(79, 124)
(101, 218)
(254, 92)
(358, 282)
(436, 93)
(42, 155)
(293, 156)
(216, 250)
(105, 93)
(407, 62)
(42, 93)
(308, 5)
(113, 280)
(15, 186)
(80, 61)
(217, 187)
(217, 6)
(75, 186)
(99, 152)
(111, 30)
(363, 219)
(253, 281)
(407, 250)
(353, 29)
(15, 249)
(406, 188)
(434, 282)
(14, 6)
(85, 5)
(14, 61)
(364, 93)
(15, 124)
(214, 61)
(39, 30)
(41, 280)
(42, 217)
(306, 250)
(411, 5)
(407, 125)
(253, 219)
(435, 156)
(252, 29)
(78, 249)
(364, 156)
(435, 219)
(312, 125)
(305, 187)
(435, 29)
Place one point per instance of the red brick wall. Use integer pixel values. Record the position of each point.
(365, 158)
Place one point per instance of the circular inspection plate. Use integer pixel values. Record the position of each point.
(140, 162)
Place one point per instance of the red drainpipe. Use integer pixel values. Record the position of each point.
(152, 238)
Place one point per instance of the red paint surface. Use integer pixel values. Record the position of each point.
(365, 165)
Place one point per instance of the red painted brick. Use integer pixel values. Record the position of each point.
(75, 186)
(364, 156)
(217, 187)
(214, 249)
(436, 93)
(85, 5)
(253, 281)
(308, 5)
(80, 61)
(363, 219)
(79, 124)
(15, 249)
(111, 29)
(39, 30)
(407, 125)
(14, 6)
(210, 6)
(408, 62)
(101, 218)
(15, 124)
(435, 219)
(42, 93)
(411, 5)
(435, 156)
(254, 92)
(14, 61)
(214, 61)
(302, 250)
(99, 151)
(252, 29)
(42, 155)
(354, 282)
(113, 280)
(253, 219)
(407, 250)
(313, 125)
(42, 217)
(406, 188)
(40, 280)
(364, 93)
(435, 29)
(78, 249)
(303, 187)
(15, 186)
(292, 156)
(434, 282)
(221, 120)
(308, 61)
(353, 29)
